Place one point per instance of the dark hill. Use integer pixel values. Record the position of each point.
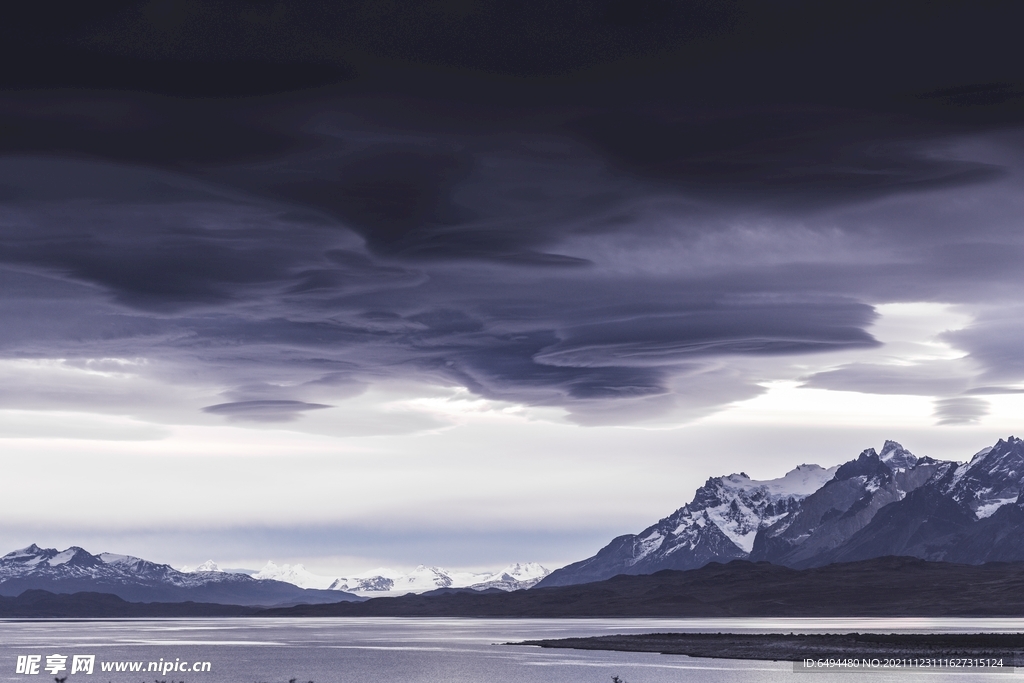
(887, 586)
(41, 604)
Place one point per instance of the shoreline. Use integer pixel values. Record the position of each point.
(797, 647)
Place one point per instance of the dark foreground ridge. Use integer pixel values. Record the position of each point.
(797, 647)
(43, 604)
(887, 586)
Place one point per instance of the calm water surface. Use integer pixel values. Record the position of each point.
(391, 650)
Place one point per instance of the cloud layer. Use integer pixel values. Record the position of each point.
(606, 216)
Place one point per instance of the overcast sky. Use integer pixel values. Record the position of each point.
(471, 282)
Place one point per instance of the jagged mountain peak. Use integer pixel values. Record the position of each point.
(729, 510)
(75, 561)
(867, 464)
(719, 524)
(994, 477)
(798, 483)
(871, 463)
(802, 480)
(28, 551)
(115, 558)
(33, 555)
(861, 487)
(889, 448)
(1005, 453)
(896, 456)
(516, 576)
(208, 566)
(524, 570)
(887, 502)
(1008, 447)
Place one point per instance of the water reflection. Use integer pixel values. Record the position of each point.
(389, 650)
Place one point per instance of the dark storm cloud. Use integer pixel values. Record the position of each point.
(587, 205)
(398, 199)
(136, 128)
(63, 218)
(768, 329)
(787, 158)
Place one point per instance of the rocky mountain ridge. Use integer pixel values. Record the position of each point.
(138, 580)
(888, 502)
(721, 523)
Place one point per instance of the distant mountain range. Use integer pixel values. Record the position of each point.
(137, 580)
(878, 504)
(516, 576)
(384, 581)
(888, 586)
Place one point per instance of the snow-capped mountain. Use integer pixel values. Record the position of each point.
(295, 574)
(386, 581)
(211, 566)
(843, 506)
(881, 503)
(990, 480)
(720, 524)
(208, 566)
(426, 578)
(383, 581)
(380, 580)
(137, 580)
(514, 577)
(968, 513)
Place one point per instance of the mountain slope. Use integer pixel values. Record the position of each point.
(843, 506)
(720, 524)
(134, 579)
(969, 513)
(878, 504)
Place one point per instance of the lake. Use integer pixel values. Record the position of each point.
(407, 650)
